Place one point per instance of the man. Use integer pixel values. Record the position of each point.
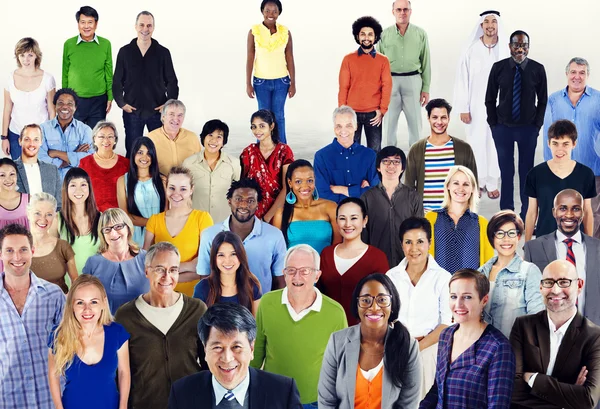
(297, 315)
(33, 175)
(557, 351)
(144, 80)
(517, 117)
(365, 82)
(469, 95)
(430, 159)
(29, 309)
(406, 46)
(227, 332)
(173, 142)
(264, 244)
(66, 140)
(87, 68)
(344, 168)
(164, 345)
(579, 103)
(569, 243)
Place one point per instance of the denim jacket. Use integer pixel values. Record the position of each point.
(516, 293)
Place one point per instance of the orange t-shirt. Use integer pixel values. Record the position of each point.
(368, 393)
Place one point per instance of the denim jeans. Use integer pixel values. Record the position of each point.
(310, 405)
(372, 133)
(134, 127)
(15, 148)
(271, 95)
(92, 110)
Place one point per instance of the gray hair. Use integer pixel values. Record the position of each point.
(161, 246)
(306, 249)
(578, 61)
(100, 126)
(144, 13)
(41, 197)
(172, 103)
(343, 110)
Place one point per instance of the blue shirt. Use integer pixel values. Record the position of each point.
(339, 166)
(265, 247)
(75, 134)
(23, 350)
(202, 289)
(456, 246)
(586, 117)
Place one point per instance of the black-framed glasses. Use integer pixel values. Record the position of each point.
(383, 300)
(117, 227)
(304, 271)
(519, 45)
(512, 233)
(395, 162)
(562, 282)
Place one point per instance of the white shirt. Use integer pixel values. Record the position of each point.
(34, 177)
(29, 107)
(297, 316)
(344, 264)
(239, 391)
(579, 251)
(162, 318)
(79, 39)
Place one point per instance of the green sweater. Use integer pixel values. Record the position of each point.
(88, 68)
(291, 348)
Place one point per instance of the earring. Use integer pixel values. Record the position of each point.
(315, 194)
(291, 198)
(453, 319)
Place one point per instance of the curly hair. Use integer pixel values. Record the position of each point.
(370, 22)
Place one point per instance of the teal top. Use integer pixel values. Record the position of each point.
(87, 67)
(148, 202)
(316, 233)
(84, 246)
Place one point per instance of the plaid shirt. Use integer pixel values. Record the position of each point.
(23, 345)
(480, 378)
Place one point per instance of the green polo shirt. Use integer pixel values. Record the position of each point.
(87, 67)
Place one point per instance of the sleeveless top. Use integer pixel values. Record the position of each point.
(148, 202)
(17, 215)
(269, 51)
(316, 233)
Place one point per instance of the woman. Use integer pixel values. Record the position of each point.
(270, 54)
(89, 348)
(345, 264)
(267, 161)
(475, 361)
(423, 288)
(514, 283)
(459, 234)
(105, 166)
(27, 95)
(141, 192)
(376, 363)
(13, 204)
(230, 279)
(306, 219)
(53, 258)
(181, 225)
(119, 263)
(213, 171)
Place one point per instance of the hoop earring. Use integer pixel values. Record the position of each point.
(291, 198)
(315, 194)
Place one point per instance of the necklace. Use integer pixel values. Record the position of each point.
(379, 353)
(489, 47)
(97, 156)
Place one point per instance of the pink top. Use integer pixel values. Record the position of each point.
(17, 215)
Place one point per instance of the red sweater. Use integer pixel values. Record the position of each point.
(104, 181)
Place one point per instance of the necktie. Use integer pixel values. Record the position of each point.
(570, 255)
(229, 396)
(516, 105)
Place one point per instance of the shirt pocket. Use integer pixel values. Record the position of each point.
(514, 290)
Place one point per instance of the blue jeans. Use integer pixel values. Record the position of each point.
(271, 95)
(310, 405)
(134, 127)
(372, 133)
(15, 148)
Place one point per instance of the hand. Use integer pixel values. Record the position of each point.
(339, 190)
(6, 148)
(64, 164)
(158, 108)
(84, 147)
(466, 117)
(376, 121)
(364, 184)
(108, 106)
(292, 90)
(128, 108)
(250, 90)
(581, 378)
(424, 98)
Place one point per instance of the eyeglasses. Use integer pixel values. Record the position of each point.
(383, 300)
(173, 271)
(102, 137)
(395, 162)
(117, 227)
(519, 45)
(304, 271)
(512, 233)
(402, 10)
(239, 200)
(562, 282)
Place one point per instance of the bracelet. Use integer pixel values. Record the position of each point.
(4, 138)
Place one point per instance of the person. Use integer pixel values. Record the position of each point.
(297, 315)
(557, 350)
(53, 258)
(119, 264)
(388, 204)
(513, 281)
(13, 204)
(230, 279)
(164, 344)
(471, 346)
(267, 161)
(141, 192)
(66, 140)
(24, 331)
(344, 168)
(87, 68)
(407, 48)
(33, 175)
(366, 82)
(27, 95)
(314, 222)
(228, 332)
(105, 166)
(430, 159)
(264, 244)
(518, 115)
(344, 264)
(143, 81)
(474, 67)
(374, 363)
(577, 102)
(568, 242)
(270, 55)
(88, 346)
(180, 225)
(213, 170)
(423, 288)
(173, 142)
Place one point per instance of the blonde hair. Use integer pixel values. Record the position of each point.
(474, 199)
(182, 170)
(67, 337)
(28, 44)
(110, 217)
(41, 197)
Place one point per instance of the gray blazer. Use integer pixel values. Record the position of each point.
(51, 182)
(337, 381)
(542, 251)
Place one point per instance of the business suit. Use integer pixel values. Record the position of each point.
(542, 251)
(266, 390)
(51, 182)
(337, 382)
(530, 340)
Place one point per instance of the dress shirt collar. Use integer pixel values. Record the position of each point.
(587, 91)
(36, 285)
(382, 188)
(560, 237)
(200, 157)
(239, 391)
(338, 147)
(468, 213)
(79, 39)
(256, 230)
(179, 133)
(398, 29)
(431, 265)
(56, 124)
(372, 53)
(562, 329)
(297, 316)
(513, 266)
(513, 64)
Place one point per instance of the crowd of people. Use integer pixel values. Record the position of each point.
(178, 276)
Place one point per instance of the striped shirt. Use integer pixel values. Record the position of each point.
(438, 160)
(23, 345)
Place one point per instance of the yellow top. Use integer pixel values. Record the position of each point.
(269, 52)
(172, 152)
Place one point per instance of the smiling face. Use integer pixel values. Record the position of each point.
(88, 304)
(104, 141)
(438, 121)
(144, 27)
(173, 119)
(577, 76)
(460, 188)
(163, 273)
(558, 299)
(490, 26)
(213, 142)
(41, 215)
(65, 107)
(8, 178)
(270, 13)
(519, 48)
(142, 159)
(350, 221)
(27, 59)
(228, 356)
(243, 204)
(302, 182)
(366, 38)
(344, 128)
(561, 148)
(261, 129)
(78, 191)
(390, 168)
(30, 142)
(87, 27)
(117, 237)
(464, 301)
(375, 316)
(568, 212)
(179, 190)
(415, 246)
(227, 259)
(507, 246)
(301, 285)
(16, 255)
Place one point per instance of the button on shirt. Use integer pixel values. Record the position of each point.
(297, 316)
(239, 391)
(457, 245)
(579, 251)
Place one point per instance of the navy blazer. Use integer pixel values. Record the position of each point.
(51, 182)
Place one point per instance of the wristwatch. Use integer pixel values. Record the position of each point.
(4, 138)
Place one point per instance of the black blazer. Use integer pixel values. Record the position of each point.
(267, 390)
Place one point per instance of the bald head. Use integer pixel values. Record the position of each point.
(568, 194)
(568, 211)
(560, 288)
(560, 269)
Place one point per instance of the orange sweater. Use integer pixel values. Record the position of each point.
(368, 394)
